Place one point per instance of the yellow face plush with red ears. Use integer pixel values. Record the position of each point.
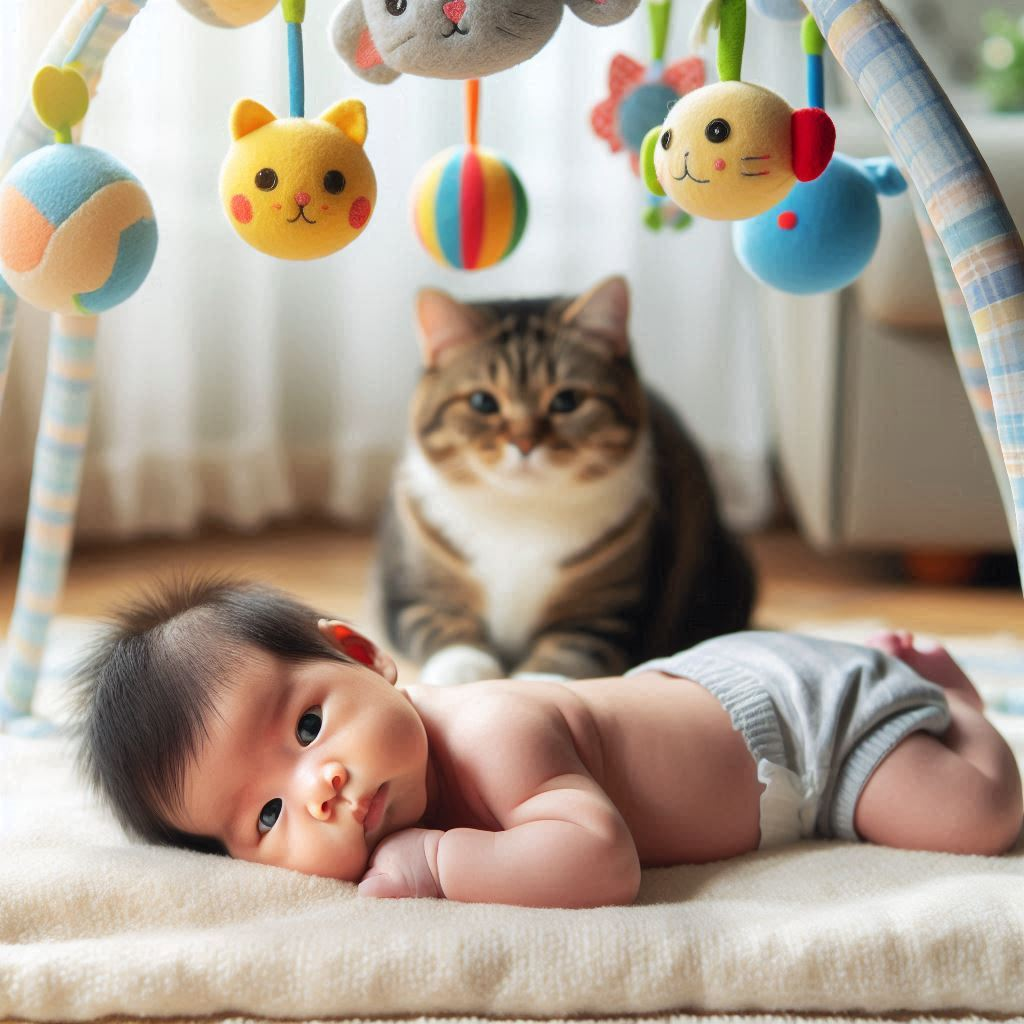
(732, 150)
(298, 188)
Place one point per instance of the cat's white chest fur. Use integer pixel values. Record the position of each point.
(515, 542)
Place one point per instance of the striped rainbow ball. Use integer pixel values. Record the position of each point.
(469, 208)
(77, 230)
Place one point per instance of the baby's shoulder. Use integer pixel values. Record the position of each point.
(500, 716)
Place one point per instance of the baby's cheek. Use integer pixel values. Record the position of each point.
(241, 208)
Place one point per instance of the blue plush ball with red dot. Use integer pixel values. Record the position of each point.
(824, 233)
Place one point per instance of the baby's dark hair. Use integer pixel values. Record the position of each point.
(146, 691)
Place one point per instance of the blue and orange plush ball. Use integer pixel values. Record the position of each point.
(469, 207)
(77, 230)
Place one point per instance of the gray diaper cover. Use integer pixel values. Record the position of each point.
(818, 716)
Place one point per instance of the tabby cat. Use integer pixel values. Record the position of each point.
(550, 516)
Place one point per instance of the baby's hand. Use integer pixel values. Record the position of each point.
(404, 864)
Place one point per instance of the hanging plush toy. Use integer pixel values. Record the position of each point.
(460, 39)
(733, 149)
(823, 234)
(468, 205)
(637, 99)
(229, 13)
(77, 230)
(295, 188)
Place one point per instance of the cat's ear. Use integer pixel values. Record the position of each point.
(350, 117)
(604, 312)
(342, 637)
(247, 116)
(444, 325)
(351, 37)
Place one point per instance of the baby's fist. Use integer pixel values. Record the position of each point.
(404, 864)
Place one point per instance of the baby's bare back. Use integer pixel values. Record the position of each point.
(662, 749)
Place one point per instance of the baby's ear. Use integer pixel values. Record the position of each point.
(604, 311)
(247, 116)
(354, 645)
(444, 326)
(350, 35)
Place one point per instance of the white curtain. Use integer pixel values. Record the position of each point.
(237, 388)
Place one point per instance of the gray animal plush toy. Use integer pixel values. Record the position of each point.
(381, 39)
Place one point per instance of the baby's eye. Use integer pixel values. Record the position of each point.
(309, 726)
(269, 815)
(565, 401)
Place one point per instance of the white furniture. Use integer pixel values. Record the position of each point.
(877, 444)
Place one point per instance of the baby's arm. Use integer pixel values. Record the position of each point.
(562, 842)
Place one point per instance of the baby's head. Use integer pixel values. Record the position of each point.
(228, 717)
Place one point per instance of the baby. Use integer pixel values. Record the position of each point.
(228, 717)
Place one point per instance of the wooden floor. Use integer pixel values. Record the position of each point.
(328, 567)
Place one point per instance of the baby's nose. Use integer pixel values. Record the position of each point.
(454, 11)
(303, 198)
(327, 783)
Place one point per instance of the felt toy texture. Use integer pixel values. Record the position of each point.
(469, 207)
(732, 150)
(77, 231)
(229, 13)
(824, 233)
(298, 188)
(455, 39)
(637, 101)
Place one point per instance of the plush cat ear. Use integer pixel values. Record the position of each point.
(247, 116)
(354, 645)
(350, 35)
(604, 311)
(350, 117)
(444, 325)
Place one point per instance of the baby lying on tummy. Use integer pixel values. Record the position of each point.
(228, 717)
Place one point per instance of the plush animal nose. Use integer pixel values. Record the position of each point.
(303, 198)
(454, 10)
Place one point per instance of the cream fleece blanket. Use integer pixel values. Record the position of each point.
(93, 926)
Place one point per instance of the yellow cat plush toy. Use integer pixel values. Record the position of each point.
(298, 188)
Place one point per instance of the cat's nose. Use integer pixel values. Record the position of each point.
(524, 444)
(303, 198)
(454, 10)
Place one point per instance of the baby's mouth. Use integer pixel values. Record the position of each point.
(375, 812)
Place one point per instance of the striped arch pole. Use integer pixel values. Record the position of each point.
(86, 35)
(971, 241)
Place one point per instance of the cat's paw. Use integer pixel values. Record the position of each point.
(460, 664)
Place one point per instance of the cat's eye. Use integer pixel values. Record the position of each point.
(483, 402)
(334, 182)
(396, 7)
(567, 400)
(266, 179)
(309, 726)
(268, 816)
(666, 139)
(717, 130)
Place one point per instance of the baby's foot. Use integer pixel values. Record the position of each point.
(931, 661)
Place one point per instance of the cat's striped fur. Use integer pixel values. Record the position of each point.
(550, 515)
